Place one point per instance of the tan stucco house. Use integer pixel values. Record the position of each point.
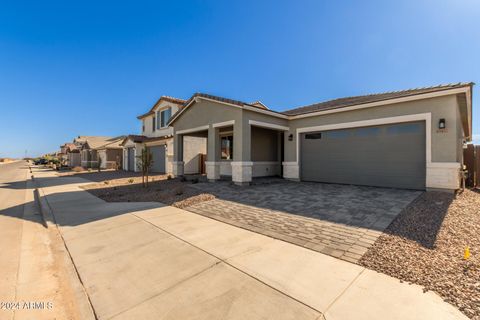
(157, 136)
(405, 139)
(108, 149)
(70, 154)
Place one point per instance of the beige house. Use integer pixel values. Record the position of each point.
(70, 154)
(406, 139)
(107, 149)
(157, 136)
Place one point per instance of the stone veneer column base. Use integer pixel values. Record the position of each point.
(291, 171)
(177, 167)
(242, 172)
(213, 170)
(443, 175)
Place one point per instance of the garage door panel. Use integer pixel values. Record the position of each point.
(385, 156)
(158, 157)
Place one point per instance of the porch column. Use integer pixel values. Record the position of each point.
(213, 154)
(242, 164)
(177, 164)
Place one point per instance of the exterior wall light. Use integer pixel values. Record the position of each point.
(290, 137)
(441, 124)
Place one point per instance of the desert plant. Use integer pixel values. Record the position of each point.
(130, 180)
(117, 163)
(145, 164)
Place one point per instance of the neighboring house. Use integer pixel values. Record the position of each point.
(406, 139)
(70, 154)
(111, 154)
(157, 136)
(107, 148)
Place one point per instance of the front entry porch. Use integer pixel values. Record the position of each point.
(241, 151)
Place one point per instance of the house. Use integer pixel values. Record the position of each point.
(157, 136)
(70, 154)
(107, 149)
(405, 139)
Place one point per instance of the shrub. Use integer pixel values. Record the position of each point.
(130, 180)
(169, 177)
(195, 180)
(78, 169)
(106, 182)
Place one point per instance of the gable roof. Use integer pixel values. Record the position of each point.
(238, 103)
(176, 101)
(99, 142)
(356, 100)
(461, 88)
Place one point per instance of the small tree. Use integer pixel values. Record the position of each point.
(99, 162)
(145, 164)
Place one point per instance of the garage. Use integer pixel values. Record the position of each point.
(392, 155)
(131, 159)
(158, 157)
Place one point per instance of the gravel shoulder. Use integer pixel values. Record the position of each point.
(425, 245)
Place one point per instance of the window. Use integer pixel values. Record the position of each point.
(226, 143)
(143, 125)
(313, 136)
(165, 116)
(153, 123)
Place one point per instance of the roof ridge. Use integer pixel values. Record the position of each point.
(440, 86)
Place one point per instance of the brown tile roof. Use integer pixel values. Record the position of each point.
(350, 101)
(99, 142)
(162, 98)
(142, 139)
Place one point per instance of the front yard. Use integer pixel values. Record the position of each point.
(121, 186)
(424, 244)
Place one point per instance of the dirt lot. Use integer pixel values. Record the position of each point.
(121, 186)
(425, 245)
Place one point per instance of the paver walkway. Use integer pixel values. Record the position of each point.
(339, 220)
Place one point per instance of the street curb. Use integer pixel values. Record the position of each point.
(82, 299)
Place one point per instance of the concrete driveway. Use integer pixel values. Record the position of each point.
(339, 220)
(149, 261)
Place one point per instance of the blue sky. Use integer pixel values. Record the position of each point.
(89, 68)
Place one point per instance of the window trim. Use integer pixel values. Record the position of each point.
(161, 111)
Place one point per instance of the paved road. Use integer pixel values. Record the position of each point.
(12, 197)
(35, 282)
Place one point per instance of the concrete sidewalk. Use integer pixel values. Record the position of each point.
(149, 261)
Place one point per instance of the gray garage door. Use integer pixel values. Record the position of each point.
(384, 156)
(131, 159)
(158, 156)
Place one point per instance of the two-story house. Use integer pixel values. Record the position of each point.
(157, 136)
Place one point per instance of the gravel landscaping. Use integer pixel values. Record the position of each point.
(425, 245)
(118, 186)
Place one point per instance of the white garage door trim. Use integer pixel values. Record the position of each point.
(364, 123)
(442, 175)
